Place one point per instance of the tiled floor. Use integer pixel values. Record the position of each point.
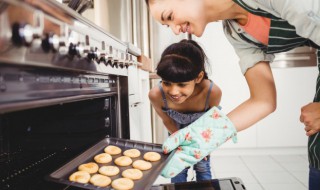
(261, 172)
(264, 172)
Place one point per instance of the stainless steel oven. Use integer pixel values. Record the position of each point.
(63, 88)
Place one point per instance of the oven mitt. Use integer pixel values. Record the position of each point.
(197, 140)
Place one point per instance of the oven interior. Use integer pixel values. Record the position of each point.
(34, 142)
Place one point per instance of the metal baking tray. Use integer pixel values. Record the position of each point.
(62, 174)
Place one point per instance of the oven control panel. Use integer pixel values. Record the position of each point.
(49, 34)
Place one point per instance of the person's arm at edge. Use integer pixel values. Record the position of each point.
(262, 99)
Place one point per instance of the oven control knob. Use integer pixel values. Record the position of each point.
(50, 42)
(63, 49)
(72, 49)
(126, 61)
(102, 58)
(92, 54)
(22, 34)
(115, 63)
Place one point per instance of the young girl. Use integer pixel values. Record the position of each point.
(184, 94)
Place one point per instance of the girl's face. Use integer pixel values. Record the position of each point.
(180, 15)
(178, 92)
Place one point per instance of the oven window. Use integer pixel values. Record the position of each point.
(35, 142)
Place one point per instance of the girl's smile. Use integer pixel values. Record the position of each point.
(178, 92)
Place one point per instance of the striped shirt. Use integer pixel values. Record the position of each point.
(294, 23)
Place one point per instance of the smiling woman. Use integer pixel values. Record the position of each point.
(293, 23)
(180, 15)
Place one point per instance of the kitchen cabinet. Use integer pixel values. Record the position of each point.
(139, 105)
(133, 84)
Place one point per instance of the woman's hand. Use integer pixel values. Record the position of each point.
(310, 117)
(197, 140)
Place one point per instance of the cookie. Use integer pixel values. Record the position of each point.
(133, 174)
(109, 170)
(141, 165)
(122, 184)
(80, 177)
(103, 158)
(152, 156)
(132, 153)
(100, 180)
(112, 150)
(123, 161)
(90, 167)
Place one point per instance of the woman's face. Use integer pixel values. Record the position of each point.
(178, 93)
(180, 15)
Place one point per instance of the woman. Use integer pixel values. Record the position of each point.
(256, 29)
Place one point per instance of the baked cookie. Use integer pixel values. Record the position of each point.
(103, 158)
(90, 167)
(109, 170)
(80, 177)
(141, 165)
(132, 153)
(122, 184)
(133, 174)
(100, 180)
(112, 150)
(152, 156)
(123, 161)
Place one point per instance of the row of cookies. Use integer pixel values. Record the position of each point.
(103, 180)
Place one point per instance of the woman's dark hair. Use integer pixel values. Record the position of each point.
(147, 1)
(182, 62)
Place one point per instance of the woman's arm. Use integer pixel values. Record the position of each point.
(156, 101)
(262, 99)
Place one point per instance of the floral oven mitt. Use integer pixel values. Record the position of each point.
(197, 140)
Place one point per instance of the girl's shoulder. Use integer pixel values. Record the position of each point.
(155, 95)
(214, 93)
(206, 83)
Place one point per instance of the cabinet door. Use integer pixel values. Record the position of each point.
(140, 111)
(133, 84)
(140, 122)
(135, 122)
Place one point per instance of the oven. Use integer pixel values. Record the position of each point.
(63, 88)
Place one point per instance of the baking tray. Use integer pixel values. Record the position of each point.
(62, 174)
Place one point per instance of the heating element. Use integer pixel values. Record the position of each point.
(63, 88)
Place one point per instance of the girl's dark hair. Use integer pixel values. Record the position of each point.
(182, 62)
(147, 1)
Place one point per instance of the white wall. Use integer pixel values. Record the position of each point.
(295, 88)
